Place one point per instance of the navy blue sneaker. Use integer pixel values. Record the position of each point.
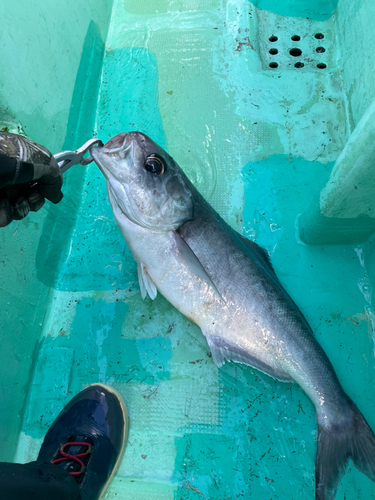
(88, 439)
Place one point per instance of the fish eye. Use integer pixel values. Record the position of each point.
(154, 164)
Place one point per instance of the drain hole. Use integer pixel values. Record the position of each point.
(299, 65)
(321, 66)
(319, 36)
(296, 38)
(273, 38)
(274, 51)
(320, 50)
(295, 52)
(273, 65)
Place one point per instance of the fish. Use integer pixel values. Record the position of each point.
(226, 284)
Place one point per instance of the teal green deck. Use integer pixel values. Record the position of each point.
(261, 144)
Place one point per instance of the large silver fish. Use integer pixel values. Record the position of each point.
(226, 285)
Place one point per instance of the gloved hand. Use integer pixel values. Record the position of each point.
(28, 174)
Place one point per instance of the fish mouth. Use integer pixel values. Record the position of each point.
(120, 145)
(101, 159)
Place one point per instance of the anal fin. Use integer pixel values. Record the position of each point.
(224, 351)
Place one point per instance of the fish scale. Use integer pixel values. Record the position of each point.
(226, 285)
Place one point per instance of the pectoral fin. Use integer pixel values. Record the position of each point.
(193, 263)
(146, 284)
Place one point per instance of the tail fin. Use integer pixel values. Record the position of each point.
(338, 442)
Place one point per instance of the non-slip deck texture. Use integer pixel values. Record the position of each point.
(258, 142)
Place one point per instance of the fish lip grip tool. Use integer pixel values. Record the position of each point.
(67, 159)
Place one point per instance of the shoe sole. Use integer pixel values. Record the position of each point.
(126, 432)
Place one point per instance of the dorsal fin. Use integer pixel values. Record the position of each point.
(262, 255)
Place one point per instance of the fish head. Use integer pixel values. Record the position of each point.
(144, 182)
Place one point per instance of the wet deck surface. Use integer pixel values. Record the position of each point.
(257, 142)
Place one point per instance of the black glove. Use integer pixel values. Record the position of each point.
(28, 174)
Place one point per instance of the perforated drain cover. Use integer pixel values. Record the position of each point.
(277, 56)
(294, 43)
